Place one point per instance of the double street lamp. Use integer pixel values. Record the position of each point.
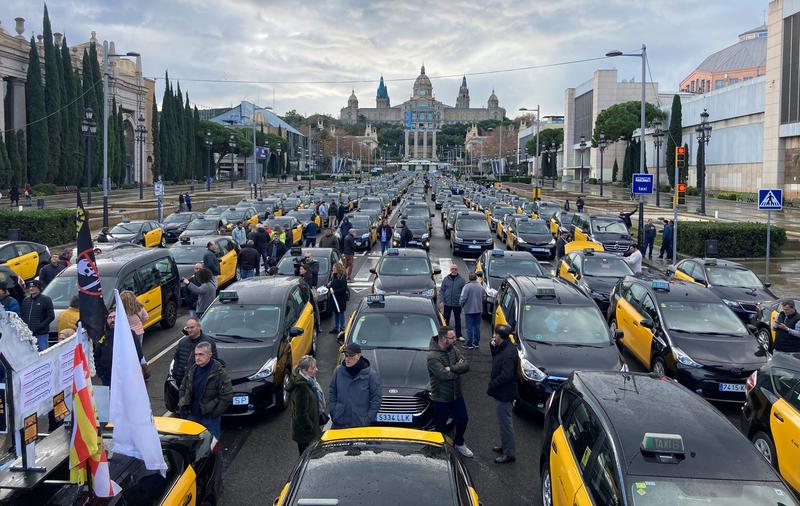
(88, 130)
(141, 138)
(582, 147)
(658, 134)
(703, 136)
(601, 145)
(232, 147)
(209, 161)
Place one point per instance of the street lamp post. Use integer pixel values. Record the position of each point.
(582, 147)
(141, 137)
(602, 145)
(232, 147)
(88, 130)
(658, 134)
(554, 161)
(703, 136)
(209, 160)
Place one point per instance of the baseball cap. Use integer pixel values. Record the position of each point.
(352, 348)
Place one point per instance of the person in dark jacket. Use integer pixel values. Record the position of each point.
(348, 251)
(649, 238)
(104, 235)
(260, 240)
(339, 294)
(666, 240)
(210, 258)
(340, 212)
(13, 195)
(181, 201)
(310, 234)
(248, 260)
(51, 270)
(787, 328)
(405, 234)
(329, 240)
(503, 387)
(37, 313)
(9, 303)
(307, 403)
(385, 235)
(561, 244)
(579, 203)
(184, 351)
(449, 297)
(566, 205)
(104, 351)
(188, 199)
(333, 214)
(344, 227)
(355, 391)
(275, 251)
(626, 217)
(445, 367)
(205, 291)
(207, 391)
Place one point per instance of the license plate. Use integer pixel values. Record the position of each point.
(543, 250)
(240, 400)
(731, 387)
(474, 246)
(394, 417)
(413, 242)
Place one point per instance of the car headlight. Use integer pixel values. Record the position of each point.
(425, 236)
(183, 238)
(530, 371)
(322, 290)
(427, 293)
(521, 240)
(491, 293)
(396, 235)
(552, 242)
(685, 359)
(377, 290)
(731, 303)
(266, 370)
(364, 236)
(456, 238)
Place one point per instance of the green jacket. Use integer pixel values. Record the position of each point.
(216, 396)
(305, 410)
(445, 385)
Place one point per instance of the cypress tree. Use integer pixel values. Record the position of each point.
(23, 157)
(180, 135)
(78, 113)
(99, 111)
(52, 98)
(12, 147)
(156, 140)
(674, 137)
(70, 124)
(38, 143)
(684, 174)
(199, 146)
(163, 129)
(188, 121)
(627, 164)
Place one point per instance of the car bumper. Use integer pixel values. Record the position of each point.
(709, 383)
(533, 395)
(475, 249)
(259, 396)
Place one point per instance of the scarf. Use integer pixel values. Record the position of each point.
(317, 390)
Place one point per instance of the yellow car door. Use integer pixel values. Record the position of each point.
(785, 426)
(301, 345)
(253, 220)
(149, 293)
(772, 316)
(318, 220)
(26, 261)
(183, 491)
(553, 226)
(566, 483)
(227, 262)
(297, 234)
(636, 338)
(563, 271)
(152, 236)
(510, 237)
(580, 235)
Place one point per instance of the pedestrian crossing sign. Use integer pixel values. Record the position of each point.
(770, 199)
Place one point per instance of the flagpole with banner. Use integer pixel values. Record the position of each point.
(90, 293)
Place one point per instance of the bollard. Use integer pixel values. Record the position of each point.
(716, 214)
(40, 203)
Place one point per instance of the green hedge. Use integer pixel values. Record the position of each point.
(52, 227)
(735, 240)
(44, 189)
(728, 195)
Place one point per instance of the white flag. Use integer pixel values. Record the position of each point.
(135, 431)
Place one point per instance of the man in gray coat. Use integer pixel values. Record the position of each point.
(471, 302)
(355, 391)
(450, 294)
(445, 367)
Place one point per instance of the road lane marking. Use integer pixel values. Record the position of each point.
(163, 352)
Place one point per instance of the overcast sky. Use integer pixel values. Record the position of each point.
(339, 40)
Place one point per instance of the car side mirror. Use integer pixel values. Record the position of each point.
(647, 323)
(340, 338)
(373, 271)
(295, 331)
(767, 285)
(670, 271)
(437, 270)
(573, 271)
(618, 335)
(701, 281)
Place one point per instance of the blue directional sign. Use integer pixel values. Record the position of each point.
(770, 199)
(262, 153)
(642, 184)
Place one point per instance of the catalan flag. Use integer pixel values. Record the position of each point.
(86, 445)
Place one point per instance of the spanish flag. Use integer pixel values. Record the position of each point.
(86, 445)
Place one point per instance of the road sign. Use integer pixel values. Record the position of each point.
(642, 184)
(770, 199)
(158, 188)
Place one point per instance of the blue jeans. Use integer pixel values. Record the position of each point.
(458, 410)
(384, 246)
(339, 323)
(212, 424)
(41, 341)
(247, 273)
(473, 321)
(456, 310)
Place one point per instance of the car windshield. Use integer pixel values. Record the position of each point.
(417, 211)
(514, 266)
(564, 324)
(291, 202)
(416, 223)
(233, 215)
(360, 223)
(732, 276)
(277, 222)
(177, 218)
(187, 254)
(411, 474)
(533, 227)
(701, 318)
(238, 320)
(566, 217)
(475, 224)
(404, 266)
(394, 330)
(370, 205)
(689, 491)
(608, 225)
(605, 267)
(286, 266)
(202, 225)
(126, 228)
(500, 211)
(214, 211)
(64, 287)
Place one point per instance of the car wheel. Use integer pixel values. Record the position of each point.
(170, 315)
(658, 367)
(313, 351)
(547, 486)
(764, 338)
(163, 243)
(765, 447)
(238, 275)
(282, 398)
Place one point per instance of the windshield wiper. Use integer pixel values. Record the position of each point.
(245, 338)
(399, 348)
(707, 333)
(538, 342)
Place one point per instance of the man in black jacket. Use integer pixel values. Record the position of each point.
(248, 259)
(348, 251)
(37, 313)
(184, 351)
(405, 234)
(260, 240)
(210, 258)
(51, 270)
(503, 387)
(275, 251)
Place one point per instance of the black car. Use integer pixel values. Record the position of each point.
(735, 284)
(325, 258)
(684, 331)
(366, 231)
(405, 271)
(449, 218)
(176, 223)
(767, 312)
(394, 332)
(610, 231)
(201, 227)
(470, 234)
(495, 265)
(525, 234)
(594, 272)
(557, 330)
(420, 234)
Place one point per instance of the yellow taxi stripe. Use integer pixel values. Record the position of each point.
(399, 433)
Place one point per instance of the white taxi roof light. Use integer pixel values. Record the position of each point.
(710, 261)
(588, 251)
(392, 252)
(545, 291)
(296, 251)
(667, 444)
(377, 298)
(498, 253)
(660, 284)
(228, 295)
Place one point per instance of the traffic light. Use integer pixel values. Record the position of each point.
(681, 194)
(680, 157)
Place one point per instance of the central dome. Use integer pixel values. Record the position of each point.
(422, 85)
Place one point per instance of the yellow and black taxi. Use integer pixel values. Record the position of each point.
(324, 258)
(531, 235)
(176, 223)
(767, 313)
(594, 272)
(193, 475)
(394, 332)
(561, 220)
(290, 226)
(420, 234)
(376, 204)
(190, 251)
(420, 210)
(495, 214)
(449, 218)
(545, 210)
(610, 231)
(25, 258)
(735, 284)
(233, 215)
(147, 233)
(273, 207)
(411, 467)
(151, 274)
(493, 266)
(556, 330)
(637, 439)
(366, 231)
(306, 215)
(405, 271)
(470, 234)
(292, 203)
(202, 226)
(771, 414)
(261, 327)
(684, 331)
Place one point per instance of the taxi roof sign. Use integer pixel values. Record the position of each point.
(498, 253)
(660, 284)
(376, 298)
(671, 444)
(228, 295)
(392, 251)
(545, 291)
(296, 251)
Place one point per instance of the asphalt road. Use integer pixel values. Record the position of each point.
(259, 452)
